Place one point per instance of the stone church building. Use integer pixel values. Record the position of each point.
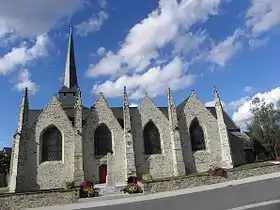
(67, 141)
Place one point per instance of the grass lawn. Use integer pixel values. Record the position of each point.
(3, 190)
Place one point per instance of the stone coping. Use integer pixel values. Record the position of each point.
(43, 191)
(246, 167)
(201, 179)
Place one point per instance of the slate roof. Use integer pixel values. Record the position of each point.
(118, 112)
(7, 150)
(244, 137)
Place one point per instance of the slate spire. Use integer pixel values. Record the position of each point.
(70, 76)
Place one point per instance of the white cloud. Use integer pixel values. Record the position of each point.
(141, 63)
(21, 56)
(263, 15)
(146, 38)
(233, 105)
(155, 81)
(94, 23)
(101, 51)
(31, 18)
(248, 88)
(225, 50)
(185, 43)
(243, 114)
(24, 80)
(212, 104)
(133, 105)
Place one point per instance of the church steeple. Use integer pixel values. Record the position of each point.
(70, 76)
(70, 82)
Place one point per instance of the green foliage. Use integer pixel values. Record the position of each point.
(88, 192)
(4, 163)
(3, 190)
(147, 177)
(265, 128)
(68, 185)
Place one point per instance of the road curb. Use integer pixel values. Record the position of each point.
(146, 197)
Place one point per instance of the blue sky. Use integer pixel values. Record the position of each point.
(147, 45)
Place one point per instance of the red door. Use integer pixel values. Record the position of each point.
(102, 174)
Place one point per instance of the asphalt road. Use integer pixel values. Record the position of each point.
(217, 199)
(268, 207)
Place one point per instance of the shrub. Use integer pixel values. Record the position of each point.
(86, 184)
(217, 171)
(278, 158)
(132, 188)
(87, 190)
(147, 177)
(68, 185)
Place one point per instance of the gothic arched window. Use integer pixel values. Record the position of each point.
(197, 136)
(152, 144)
(102, 140)
(52, 145)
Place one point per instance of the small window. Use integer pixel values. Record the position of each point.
(102, 140)
(197, 136)
(52, 145)
(152, 142)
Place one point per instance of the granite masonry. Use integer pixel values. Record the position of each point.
(195, 180)
(14, 201)
(67, 141)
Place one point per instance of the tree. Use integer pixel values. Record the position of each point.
(265, 127)
(4, 163)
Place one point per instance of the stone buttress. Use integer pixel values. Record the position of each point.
(226, 156)
(78, 145)
(17, 169)
(178, 161)
(129, 149)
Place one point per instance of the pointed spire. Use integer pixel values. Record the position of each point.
(216, 97)
(171, 102)
(125, 98)
(23, 111)
(70, 75)
(216, 92)
(78, 98)
(25, 102)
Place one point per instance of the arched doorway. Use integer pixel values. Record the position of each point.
(102, 173)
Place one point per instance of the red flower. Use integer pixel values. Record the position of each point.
(86, 184)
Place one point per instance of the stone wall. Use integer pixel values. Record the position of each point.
(201, 160)
(14, 201)
(205, 179)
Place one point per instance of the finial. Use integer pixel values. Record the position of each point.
(169, 92)
(124, 89)
(216, 92)
(215, 89)
(26, 91)
(146, 93)
(192, 91)
(78, 92)
(101, 94)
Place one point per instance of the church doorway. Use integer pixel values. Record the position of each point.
(102, 173)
